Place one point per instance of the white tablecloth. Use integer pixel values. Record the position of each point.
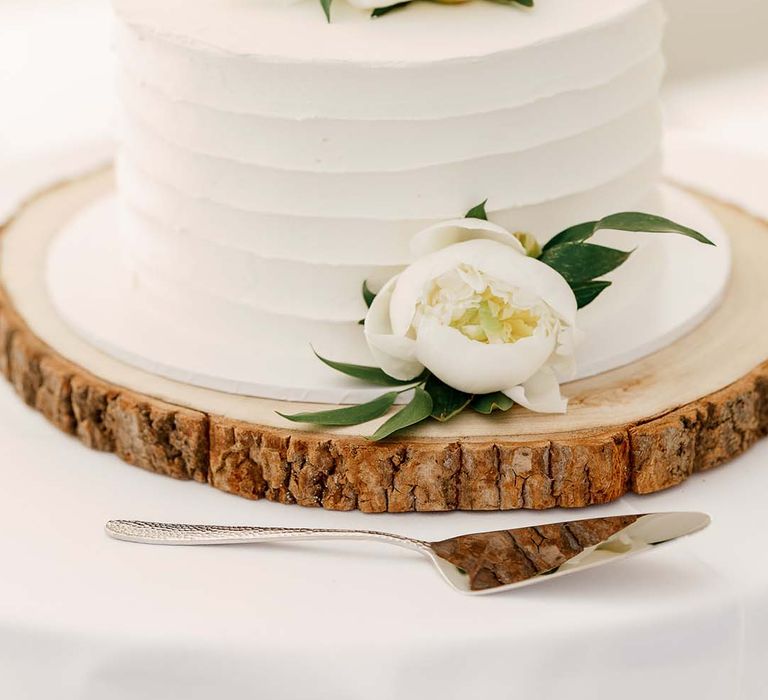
(88, 618)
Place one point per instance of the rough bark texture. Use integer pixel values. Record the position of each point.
(570, 469)
(141, 430)
(343, 473)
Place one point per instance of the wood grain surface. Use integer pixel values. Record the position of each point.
(640, 428)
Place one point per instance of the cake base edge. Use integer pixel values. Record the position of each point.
(340, 472)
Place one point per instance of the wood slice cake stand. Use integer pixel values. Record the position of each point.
(641, 428)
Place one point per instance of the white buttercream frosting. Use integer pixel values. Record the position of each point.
(271, 162)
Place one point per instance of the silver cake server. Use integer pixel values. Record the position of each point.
(485, 562)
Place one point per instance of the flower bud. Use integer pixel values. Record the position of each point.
(529, 242)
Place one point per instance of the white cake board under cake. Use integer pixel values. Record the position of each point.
(666, 289)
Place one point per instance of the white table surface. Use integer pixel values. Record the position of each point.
(84, 617)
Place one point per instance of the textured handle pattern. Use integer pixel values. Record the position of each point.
(179, 534)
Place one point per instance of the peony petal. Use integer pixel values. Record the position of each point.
(494, 259)
(480, 368)
(395, 354)
(455, 231)
(500, 261)
(563, 361)
(564, 367)
(412, 283)
(521, 271)
(540, 393)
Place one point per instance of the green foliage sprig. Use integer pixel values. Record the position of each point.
(581, 263)
(431, 399)
(569, 253)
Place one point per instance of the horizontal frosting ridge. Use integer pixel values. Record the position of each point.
(356, 240)
(336, 145)
(356, 89)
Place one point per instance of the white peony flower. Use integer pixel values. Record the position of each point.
(479, 314)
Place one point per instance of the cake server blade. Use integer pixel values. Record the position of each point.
(479, 563)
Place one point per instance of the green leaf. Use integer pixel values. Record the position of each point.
(587, 292)
(488, 403)
(350, 415)
(416, 411)
(381, 11)
(648, 223)
(574, 234)
(368, 295)
(478, 212)
(327, 8)
(579, 262)
(524, 3)
(624, 221)
(374, 375)
(446, 401)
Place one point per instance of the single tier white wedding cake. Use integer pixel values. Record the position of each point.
(271, 162)
(274, 161)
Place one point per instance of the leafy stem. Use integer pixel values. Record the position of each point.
(431, 398)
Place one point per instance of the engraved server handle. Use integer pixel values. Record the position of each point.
(178, 534)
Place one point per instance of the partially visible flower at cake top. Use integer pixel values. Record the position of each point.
(379, 8)
(479, 314)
